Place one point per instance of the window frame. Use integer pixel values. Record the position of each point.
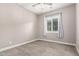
(51, 17)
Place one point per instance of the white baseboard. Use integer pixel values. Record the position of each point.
(13, 46)
(58, 42)
(77, 50)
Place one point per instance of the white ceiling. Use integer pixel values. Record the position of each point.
(40, 11)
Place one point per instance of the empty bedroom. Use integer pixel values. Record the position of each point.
(39, 29)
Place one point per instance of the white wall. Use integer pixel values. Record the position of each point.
(17, 25)
(77, 27)
(69, 24)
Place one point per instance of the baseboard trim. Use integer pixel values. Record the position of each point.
(58, 42)
(77, 50)
(13, 46)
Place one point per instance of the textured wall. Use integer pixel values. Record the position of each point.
(17, 25)
(69, 23)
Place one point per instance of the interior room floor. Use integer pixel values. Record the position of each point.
(41, 48)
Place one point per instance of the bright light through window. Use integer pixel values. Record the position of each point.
(52, 23)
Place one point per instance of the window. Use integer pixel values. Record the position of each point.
(52, 23)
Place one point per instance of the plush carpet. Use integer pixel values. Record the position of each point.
(41, 48)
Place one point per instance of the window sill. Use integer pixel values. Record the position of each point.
(52, 32)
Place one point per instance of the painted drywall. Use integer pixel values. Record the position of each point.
(69, 25)
(17, 25)
(77, 27)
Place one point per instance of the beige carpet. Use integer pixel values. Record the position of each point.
(41, 48)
